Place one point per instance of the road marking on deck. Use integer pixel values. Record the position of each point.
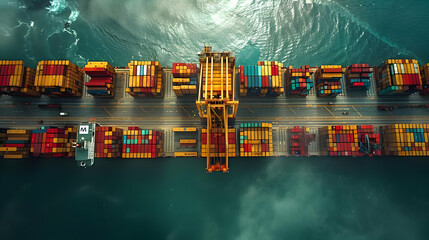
(250, 110)
(329, 111)
(357, 111)
(143, 109)
(291, 109)
(110, 115)
(127, 80)
(186, 111)
(172, 118)
(391, 114)
(130, 105)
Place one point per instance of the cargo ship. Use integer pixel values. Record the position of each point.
(214, 84)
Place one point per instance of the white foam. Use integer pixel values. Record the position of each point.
(57, 6)
(73, 15)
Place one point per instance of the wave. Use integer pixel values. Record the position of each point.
(335, 7)
(295, 32)
(57, 6)
(57, 12)
(73, 15)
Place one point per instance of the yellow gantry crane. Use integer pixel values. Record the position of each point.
(216, 103)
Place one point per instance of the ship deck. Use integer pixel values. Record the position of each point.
(170, 111)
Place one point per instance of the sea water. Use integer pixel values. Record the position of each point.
(260, 198)
(295, 32)
(174, 198)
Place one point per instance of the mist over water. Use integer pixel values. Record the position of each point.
(270, 198)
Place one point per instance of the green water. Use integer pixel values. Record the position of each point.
(273, 198)
(278, 198)
(295, 32)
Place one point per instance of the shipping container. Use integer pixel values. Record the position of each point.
(328, 80)
(102, 82)
(15, 144)
(217, 143)
(298, 81)
(424, 74)
(358, 76)
(108, 142)
(349, 140)
(191, 129)
(59, 78)
(138, 143)
(53, 142)
(188, 142)
(262, 80)
(185, 140)
(256, 140)
(398, 77)
(405, 139)
(16, 79)
(299, 140)
(185, 81)
(217, 74)
(185, 154)
(3, 138)
(146, 79)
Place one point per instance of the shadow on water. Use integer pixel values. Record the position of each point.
(160, 198)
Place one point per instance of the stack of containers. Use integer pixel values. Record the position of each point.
(424, 72)
(16, 79)
(398, 76)
(217, 142)
(102, 80)
(264, 79)
(406, 139)
(59, 78)
(16, 144)
(53, 142)
(188, 142)
(138, 143)
(185, 79)
(108, 142)
(328, 80)
(216, 71)
(345, 140)
(299, 140)
(298, 81)
(256, 139)
(358, 76)
(145, 79)
(3, 138)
